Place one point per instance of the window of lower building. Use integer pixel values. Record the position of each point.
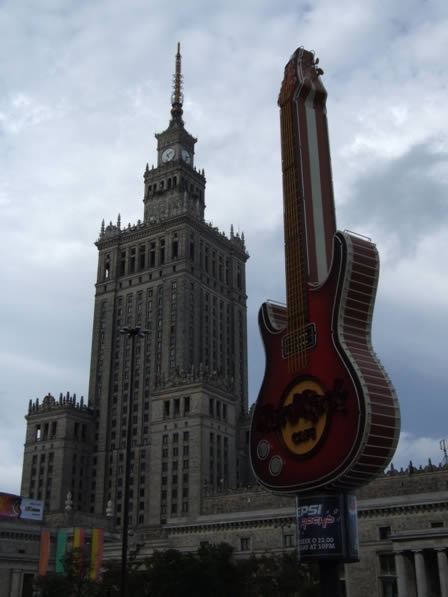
(245, 543)
(389, 587)
(288, 540)
(387, 564)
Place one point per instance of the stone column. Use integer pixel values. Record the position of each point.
(16, 583)
(420, 573)
(443, 572)
(402, 575)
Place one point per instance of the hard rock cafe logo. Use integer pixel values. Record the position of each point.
(304, 417)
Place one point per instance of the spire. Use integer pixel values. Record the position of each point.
(177, 96)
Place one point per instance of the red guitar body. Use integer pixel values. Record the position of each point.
(333, 422)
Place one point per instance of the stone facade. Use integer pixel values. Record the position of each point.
(19, 558)
(58, 448)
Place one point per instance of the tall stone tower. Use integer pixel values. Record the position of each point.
(183, 281)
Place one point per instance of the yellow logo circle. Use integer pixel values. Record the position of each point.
(306, 417)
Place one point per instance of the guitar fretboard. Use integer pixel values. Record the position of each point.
(295, 251)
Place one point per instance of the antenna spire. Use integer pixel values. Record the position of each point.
(177, 97)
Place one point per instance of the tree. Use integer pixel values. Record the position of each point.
(213, 570)
(73, 582)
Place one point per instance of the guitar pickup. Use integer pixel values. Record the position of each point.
(299, 341)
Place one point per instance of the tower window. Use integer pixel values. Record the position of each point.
(152, 255)
(132, 261)
(141, 258)
(175, 247)
(123, 263)
(107, 267)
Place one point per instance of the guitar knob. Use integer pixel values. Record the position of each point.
(275, 466)
(263, 449)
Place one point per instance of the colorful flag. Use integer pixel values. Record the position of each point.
(61, 549)
(97, 553)
(79, 538)
(44, 552)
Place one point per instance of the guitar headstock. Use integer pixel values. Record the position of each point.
(302, 73)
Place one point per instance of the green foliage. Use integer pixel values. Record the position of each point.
(74, 582)
(213, 571)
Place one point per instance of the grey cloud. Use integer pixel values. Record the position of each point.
(401, 200)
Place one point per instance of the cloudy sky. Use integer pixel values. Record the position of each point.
(85, 85)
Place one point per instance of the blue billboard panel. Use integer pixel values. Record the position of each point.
(328, 527)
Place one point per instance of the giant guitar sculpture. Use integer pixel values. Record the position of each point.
(327, 415)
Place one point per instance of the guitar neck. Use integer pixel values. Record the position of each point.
(302, 103)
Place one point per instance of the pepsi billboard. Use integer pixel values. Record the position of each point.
(328, 527)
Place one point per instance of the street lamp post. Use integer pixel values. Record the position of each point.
(131, 333)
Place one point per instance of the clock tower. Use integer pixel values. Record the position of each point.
(175, 185)
(182, 280)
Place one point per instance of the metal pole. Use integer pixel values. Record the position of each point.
(131, 333)
(330, 584)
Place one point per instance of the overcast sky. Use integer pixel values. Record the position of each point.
(85, 85)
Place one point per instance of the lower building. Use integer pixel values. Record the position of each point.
(403, 528)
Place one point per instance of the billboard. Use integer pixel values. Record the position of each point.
(328, 527)
(14, 506)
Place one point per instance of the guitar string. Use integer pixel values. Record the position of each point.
(296, 340)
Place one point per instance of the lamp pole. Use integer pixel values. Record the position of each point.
(131, 333)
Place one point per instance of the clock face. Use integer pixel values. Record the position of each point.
(168, 154)
(186, 156)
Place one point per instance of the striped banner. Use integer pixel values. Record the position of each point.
(61, 549)
(44, 552)
(79, 538)
(96, 558)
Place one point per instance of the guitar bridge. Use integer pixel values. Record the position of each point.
(299, 341)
